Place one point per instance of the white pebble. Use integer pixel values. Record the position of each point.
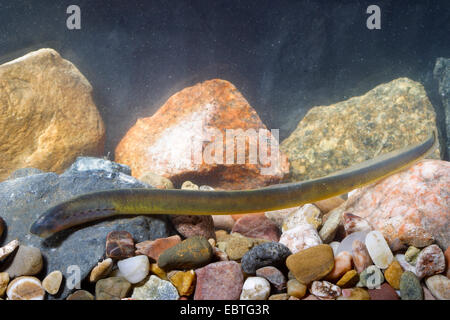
(134, 269)
(379, 250)
(255, 288)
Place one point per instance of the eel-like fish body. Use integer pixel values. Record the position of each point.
(104, 204)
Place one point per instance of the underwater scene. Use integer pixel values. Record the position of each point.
(224, 150)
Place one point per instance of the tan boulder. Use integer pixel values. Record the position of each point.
(47, 114)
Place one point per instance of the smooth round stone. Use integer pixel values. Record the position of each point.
(347, 243)
(255, 288)
(296, 288)
(430, 261)
(192, 253)
(112, 288)
(342, 264)
(393, 274)
(378, 249)
(224, 222)
(330, 227)
(119, 245)
(349, 279)
(410, 288)
(27, 262)
(134, 269)
(275, 277)
(439, 286)
(101, 270)
(4, 280)
(52, 282)
(371, 277)
(325, 290)
(311, 264)
(80, 295)
(266, 254)
(155, 289)
(25, 288)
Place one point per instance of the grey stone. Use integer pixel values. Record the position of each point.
(266, 254)
(23, 200)
(441, 73)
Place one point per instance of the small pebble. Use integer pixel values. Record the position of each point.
(194, 252)
(384, 292)
(25, 288)
(296, 288)
(80, 295)
(255, 288)
(371, 277)
(112, 288)
(275, 277)
(225, 222)
(184, 281)
(156, 270)
(4, 280)
(219, 281)
(134, 269)
(257, 226)
(307, 214)
(325, 290)
(311, 264)
(266, 254)
(194, 225)
(439, 286)
(347, 242)
(119, 245)
(52, 282)
(349, 279)
(430, 261)
(156, 180)
(27, 262)
(354, 294)
(411, 255)
(301, 237)
(330, 226)
(342, 264)
(155, 289)
(6, 250)
(405, 265)
(393, 274)
(279, 296)
(154, 248)
(101, 270)
(334, 245)
(329, 204)
(410, 288)
(188, 185)
(354, 223)
(378, 249)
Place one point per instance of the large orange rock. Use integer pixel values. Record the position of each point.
(186, 139)
(411, 207)
(47, 115)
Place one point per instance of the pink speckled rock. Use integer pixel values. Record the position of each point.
(430, 261)
(194, 225)
(361, 257)
(411, 207)
(325, 290)
(219, 281)
(301, 237)
(257, 226)
(353, 223)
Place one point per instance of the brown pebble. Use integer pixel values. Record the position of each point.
(119, 245)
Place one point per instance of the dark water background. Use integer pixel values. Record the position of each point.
(284, 56)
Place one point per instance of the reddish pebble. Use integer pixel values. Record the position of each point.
(342, 264)
(447, 261)
(190, 225)
(430, 261)
(219, 281)
(384, 292)
(153, 248)
(119, 245)
(354, 223)
(361, 257)
(274, 276)
(257, 226)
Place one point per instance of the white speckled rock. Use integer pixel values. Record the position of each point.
(25, 288)
(439, 286)
(430, 261)
(301, 237)
(155, 289)
(134, 269)
(325, 290)
(308, 213)
(354, 223)
(255, 288)
(400, 257)
(378, 249)
(278, 216)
